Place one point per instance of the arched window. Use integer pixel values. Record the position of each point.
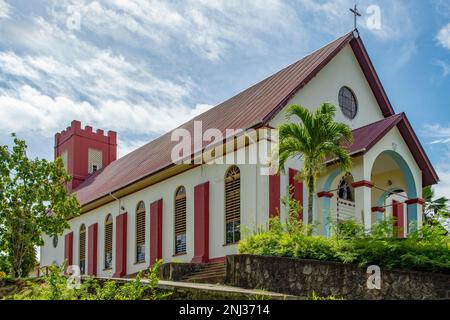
(140, 232)
(180, 220)
(108, 241)
(345, 188)
(82, 247)
(232, 205)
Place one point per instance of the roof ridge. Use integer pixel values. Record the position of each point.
(249, 108)
(381, 120)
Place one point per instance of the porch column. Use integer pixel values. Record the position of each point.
(363, 202)
(414, 209)
(379, 212)
(325, 198)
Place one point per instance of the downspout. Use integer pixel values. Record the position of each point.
(115, 198)
(256, 196)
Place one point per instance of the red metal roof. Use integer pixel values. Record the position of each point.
(251, 108)
(366, 137)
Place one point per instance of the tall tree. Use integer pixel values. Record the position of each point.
(33, 201)
(435, 210)
(312, 140)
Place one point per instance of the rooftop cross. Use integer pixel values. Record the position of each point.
(356, 14)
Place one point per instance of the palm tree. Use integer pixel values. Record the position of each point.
(313, 139)
(434, 208)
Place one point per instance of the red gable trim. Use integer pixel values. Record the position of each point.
(429, 175)
(372, 77)
(366, 137)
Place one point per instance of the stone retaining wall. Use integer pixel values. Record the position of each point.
(302, 277)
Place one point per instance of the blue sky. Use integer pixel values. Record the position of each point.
(144, 67)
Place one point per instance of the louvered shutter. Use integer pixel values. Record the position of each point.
(232, 205)
(82, 246)
(180, 220)
(108, 242)
(140, 232)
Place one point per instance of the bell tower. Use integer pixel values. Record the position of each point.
(84, 151)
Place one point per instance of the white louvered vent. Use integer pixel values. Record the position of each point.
(95, 160)
(64, 159)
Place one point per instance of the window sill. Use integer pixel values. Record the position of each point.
(179, 254)
(230, 244)
(107, 269)
(139, 262)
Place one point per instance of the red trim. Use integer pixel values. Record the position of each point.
(325, 194)
(92, 249)
(430, 176)
(363, 183)
(378, 209)
(398, 209)
(68, 248)
(201, 223)
(415, 201)
(274, 196)
(121, 245)
(156, 221)
(371, 76)
(217, 260)
(297, 188)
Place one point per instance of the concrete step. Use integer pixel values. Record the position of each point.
(211, 273)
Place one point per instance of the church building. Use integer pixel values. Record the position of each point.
(144, 206)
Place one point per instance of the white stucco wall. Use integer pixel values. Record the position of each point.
(254, 212)
(343, 70)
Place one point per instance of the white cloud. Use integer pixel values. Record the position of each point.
(208, 28)
(443, 37)
(27, 109)
(62, 78)
(437, 133)
(5, 9)
(445, 67)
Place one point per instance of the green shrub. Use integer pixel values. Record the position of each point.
(427, 249)
(54, 286)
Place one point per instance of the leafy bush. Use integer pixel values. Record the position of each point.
(427, 249)
(54, 286)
